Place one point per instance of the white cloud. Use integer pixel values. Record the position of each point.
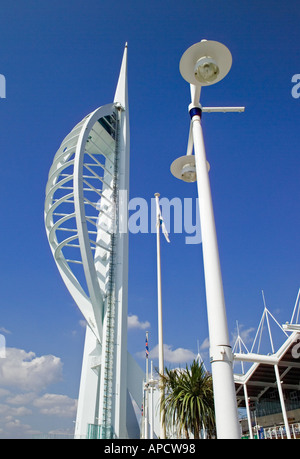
(17, 429)
(26, 371)
(179, 355)
(4, 392)
(56, 405)
(6, 410)
(245, 334)
(134, 322)
(4, 330)
(205, 344)
(23, 379)
(21, 399)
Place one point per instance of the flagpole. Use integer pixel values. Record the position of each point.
(146, 389)
(159, 302)
(151, 414)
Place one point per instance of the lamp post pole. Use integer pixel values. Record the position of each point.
(220, 350)
(203, 64)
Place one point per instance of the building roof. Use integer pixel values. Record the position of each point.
(261, 375)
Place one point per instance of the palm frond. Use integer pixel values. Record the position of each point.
(188, 402)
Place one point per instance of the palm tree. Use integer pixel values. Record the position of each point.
(188, 401)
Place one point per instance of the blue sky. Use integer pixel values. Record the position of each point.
(61, 61)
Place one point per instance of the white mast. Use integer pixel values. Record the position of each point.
(159, 223)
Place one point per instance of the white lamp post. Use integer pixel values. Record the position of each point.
(203, 64)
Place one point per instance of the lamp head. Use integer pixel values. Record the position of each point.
(205, 63)
(206, 70)
(184, 168)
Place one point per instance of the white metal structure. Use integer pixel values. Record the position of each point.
(203, 64)
(86, 224)
(260, 377)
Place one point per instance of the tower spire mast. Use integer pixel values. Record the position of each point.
(121, 94)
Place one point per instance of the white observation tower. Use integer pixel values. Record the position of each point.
(86, 219)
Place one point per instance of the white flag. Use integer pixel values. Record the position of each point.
(160, 222)
(164, 230)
